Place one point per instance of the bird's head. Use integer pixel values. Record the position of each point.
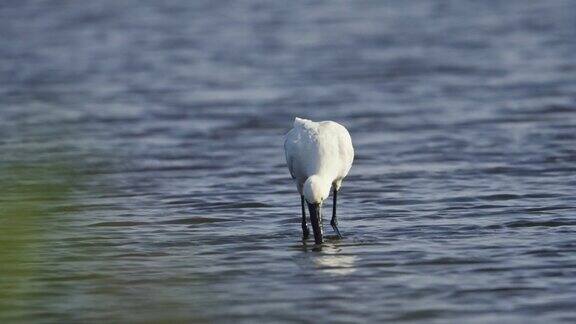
(316, 189)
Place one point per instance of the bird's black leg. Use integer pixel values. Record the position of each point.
(305, 230)
(334, 221)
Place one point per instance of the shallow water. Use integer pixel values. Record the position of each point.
(166, 120)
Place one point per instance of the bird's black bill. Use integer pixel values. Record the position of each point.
(316, 220)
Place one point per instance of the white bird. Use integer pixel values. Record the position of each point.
(319, 156)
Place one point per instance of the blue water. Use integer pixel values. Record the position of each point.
(460, 207)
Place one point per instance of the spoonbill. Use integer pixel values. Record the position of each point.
(319, 156)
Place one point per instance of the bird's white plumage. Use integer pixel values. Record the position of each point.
(319, 155)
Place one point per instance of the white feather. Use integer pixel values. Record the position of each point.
(319, 156)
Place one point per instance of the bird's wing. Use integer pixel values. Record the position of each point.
(289, 146)
(345, 148)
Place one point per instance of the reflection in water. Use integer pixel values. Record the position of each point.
(29, 195)
(331, 260)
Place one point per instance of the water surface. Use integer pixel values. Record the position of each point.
(157, 127)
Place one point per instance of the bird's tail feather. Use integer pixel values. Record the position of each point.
(300, 121)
